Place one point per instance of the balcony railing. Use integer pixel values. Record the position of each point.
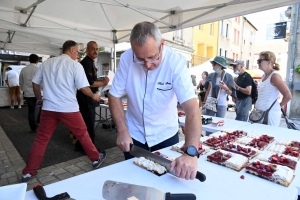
(198, 60)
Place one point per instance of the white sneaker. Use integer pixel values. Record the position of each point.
(20, 107)
(11, 107)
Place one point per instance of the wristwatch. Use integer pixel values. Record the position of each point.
(192, 151)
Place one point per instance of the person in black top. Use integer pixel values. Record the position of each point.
(86, 104)
(202, 88)
(243, 86)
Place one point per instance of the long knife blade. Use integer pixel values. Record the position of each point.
(139, 152)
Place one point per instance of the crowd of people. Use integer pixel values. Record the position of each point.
(246, 92)
(155, 78)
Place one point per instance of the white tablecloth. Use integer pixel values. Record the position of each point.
(229, 124)
(221, 183)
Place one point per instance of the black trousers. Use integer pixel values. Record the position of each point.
(168, 142)
(88, 116)
(31, 104)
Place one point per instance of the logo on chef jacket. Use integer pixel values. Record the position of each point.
(161, 83)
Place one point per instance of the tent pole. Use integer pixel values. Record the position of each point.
(115, 58)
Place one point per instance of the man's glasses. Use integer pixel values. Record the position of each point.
(260, 60)
(137, 61)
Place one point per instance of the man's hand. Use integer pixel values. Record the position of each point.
(96, 97)
(39, 103)
(123, 141)
(105, 80)
(185, 166)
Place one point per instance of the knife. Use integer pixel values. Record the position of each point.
(40, 193)
(139, 152)
(113, 190)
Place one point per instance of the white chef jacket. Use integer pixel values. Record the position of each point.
(12, 77)
(151, 115)
(61, 76)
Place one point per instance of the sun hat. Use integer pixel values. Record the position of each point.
(220, 60)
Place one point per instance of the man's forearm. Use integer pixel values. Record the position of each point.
(87, 91)
(117, 113)
(37, 91)
(193, 125)
(99, 83)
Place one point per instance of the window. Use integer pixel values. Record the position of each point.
(227, 30)
(211, 29)
(225, 54)
(233, 56)
(237, 19)
(236, 56)
(179, 34)
(244, 41)
(222, 31)
(200, 27)
(220, 54)
(236, 37)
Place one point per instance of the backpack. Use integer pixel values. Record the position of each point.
(254, 92)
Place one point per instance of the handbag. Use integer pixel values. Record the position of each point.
(211, 102)
(259, 116)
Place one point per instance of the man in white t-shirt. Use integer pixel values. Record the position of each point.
(25, 79)
(61, 76)
(12, 81)
(155, 78)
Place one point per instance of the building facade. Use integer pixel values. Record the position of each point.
(205, 42)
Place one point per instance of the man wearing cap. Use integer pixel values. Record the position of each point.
(243, 91)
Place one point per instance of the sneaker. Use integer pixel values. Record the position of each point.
(11, 107)
(96, 164)
(27, 177)
(19, 107)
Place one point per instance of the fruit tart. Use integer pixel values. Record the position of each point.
(216, 142)
(179, 147)
(279, 159)
(291, 151)
(228, 159)
(272, 172)
(241, 149)
(288, 142)
(238, 133)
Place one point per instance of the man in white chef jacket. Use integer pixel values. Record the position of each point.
(155, 78)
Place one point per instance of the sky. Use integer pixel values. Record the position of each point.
(260, 21)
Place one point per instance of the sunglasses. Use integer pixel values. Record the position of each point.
(260, 60)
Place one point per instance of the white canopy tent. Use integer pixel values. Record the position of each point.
(42, 26)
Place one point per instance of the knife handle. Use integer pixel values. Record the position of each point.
(170, 196)
(200, 176)
(40, 193)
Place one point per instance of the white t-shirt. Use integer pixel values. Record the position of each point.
(61, 76)
(222, 100)
(12, 77)
(152, 95)
(26, 76)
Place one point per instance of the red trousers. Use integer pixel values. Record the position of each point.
(48, 123)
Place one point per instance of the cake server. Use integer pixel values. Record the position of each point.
(113, 190)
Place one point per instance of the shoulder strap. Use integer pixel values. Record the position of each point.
(272, 105)
(220, 88)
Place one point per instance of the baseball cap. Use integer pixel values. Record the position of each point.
(237, 62)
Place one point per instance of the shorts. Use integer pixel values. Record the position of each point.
(15, 90)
